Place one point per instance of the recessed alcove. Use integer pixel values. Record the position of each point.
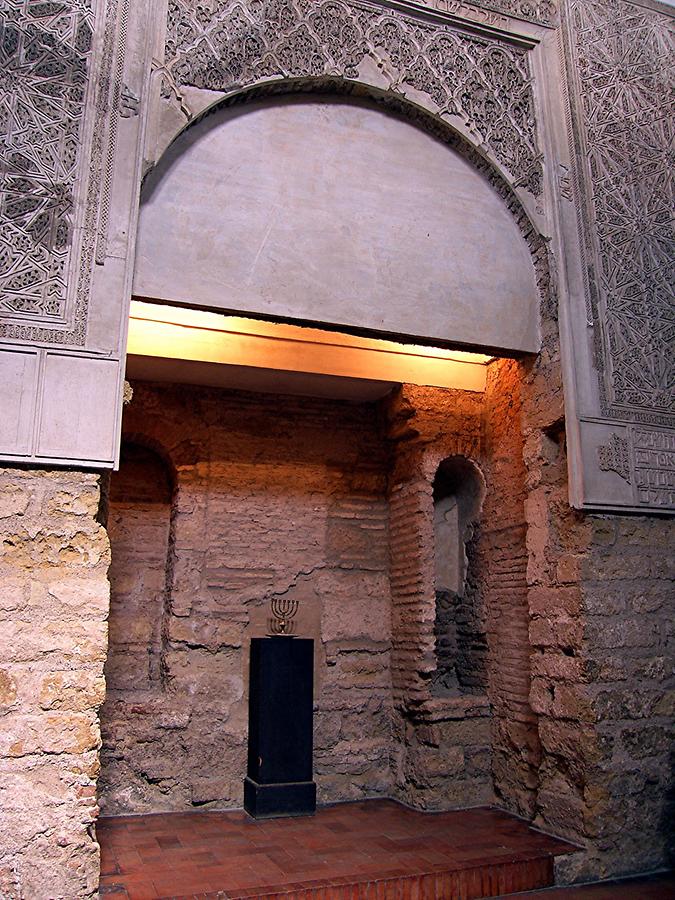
(460, 629)
(362, 510)
(302, 346)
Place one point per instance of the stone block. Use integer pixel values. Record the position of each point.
(556, 632)
(8, 691)
(72, 733)
(14, 501)
(72, 691)
(88, 596)
(82, 643)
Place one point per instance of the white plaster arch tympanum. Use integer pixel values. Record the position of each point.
(334, 210)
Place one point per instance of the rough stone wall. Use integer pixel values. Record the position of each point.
(601, 601)
(54, 595)
(138, 525)
(629, 604)
(602, 609)
(272, 496)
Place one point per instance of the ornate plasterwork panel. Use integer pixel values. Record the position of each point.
(621, 92)
(485, 82)
(625, 94)
(67, 199)
(44, 52)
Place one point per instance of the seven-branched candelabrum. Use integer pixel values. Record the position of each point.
(283, 610)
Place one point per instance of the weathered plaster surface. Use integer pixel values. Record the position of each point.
(316, 209)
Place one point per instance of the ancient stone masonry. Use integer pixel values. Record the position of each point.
(601, 613)
(44, 56)
(483, 81)
(54, 557)
(629, 606)
(600, 594)
(622, 95)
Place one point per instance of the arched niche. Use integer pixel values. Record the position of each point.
(333, 210)
(461, 641)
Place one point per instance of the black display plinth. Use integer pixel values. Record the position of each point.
(280, 742)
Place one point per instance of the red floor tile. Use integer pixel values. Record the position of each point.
(375, 849)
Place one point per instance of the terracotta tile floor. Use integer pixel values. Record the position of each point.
(375, 849)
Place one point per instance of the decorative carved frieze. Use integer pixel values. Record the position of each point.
(621, 88)
(232, 44)
(44, 51)
(653, 465)
(543, 12)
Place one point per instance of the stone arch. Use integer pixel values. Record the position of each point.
(339, 90)
(476, 79)
(458, 492)
(421, 111)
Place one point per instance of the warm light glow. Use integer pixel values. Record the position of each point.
(178, 333)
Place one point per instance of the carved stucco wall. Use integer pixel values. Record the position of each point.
(44, 55)
(88, 84)
(55, 91)
(85, 79)
(483, 82)
(621, 93)
(67, 210)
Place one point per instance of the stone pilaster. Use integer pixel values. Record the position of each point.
(54, 595)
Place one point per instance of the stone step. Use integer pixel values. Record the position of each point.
(370, 850)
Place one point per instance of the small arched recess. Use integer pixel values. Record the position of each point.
(461, 642)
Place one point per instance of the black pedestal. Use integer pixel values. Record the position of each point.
(280, 742)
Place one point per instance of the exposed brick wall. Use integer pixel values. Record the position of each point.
(273, 496)
(442, 744)
(412, 589)
(53, 633)
(502, 561)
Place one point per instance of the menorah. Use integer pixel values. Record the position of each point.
(283, 610)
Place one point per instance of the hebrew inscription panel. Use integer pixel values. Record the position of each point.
(44, 51)
(645, 459)
(622, 84)
(486, 82)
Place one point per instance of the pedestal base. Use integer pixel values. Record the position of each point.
(272, 801)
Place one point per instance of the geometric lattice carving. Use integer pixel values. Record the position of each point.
(614, 457)
(229, 44)
(623, 66)
(43, 77)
